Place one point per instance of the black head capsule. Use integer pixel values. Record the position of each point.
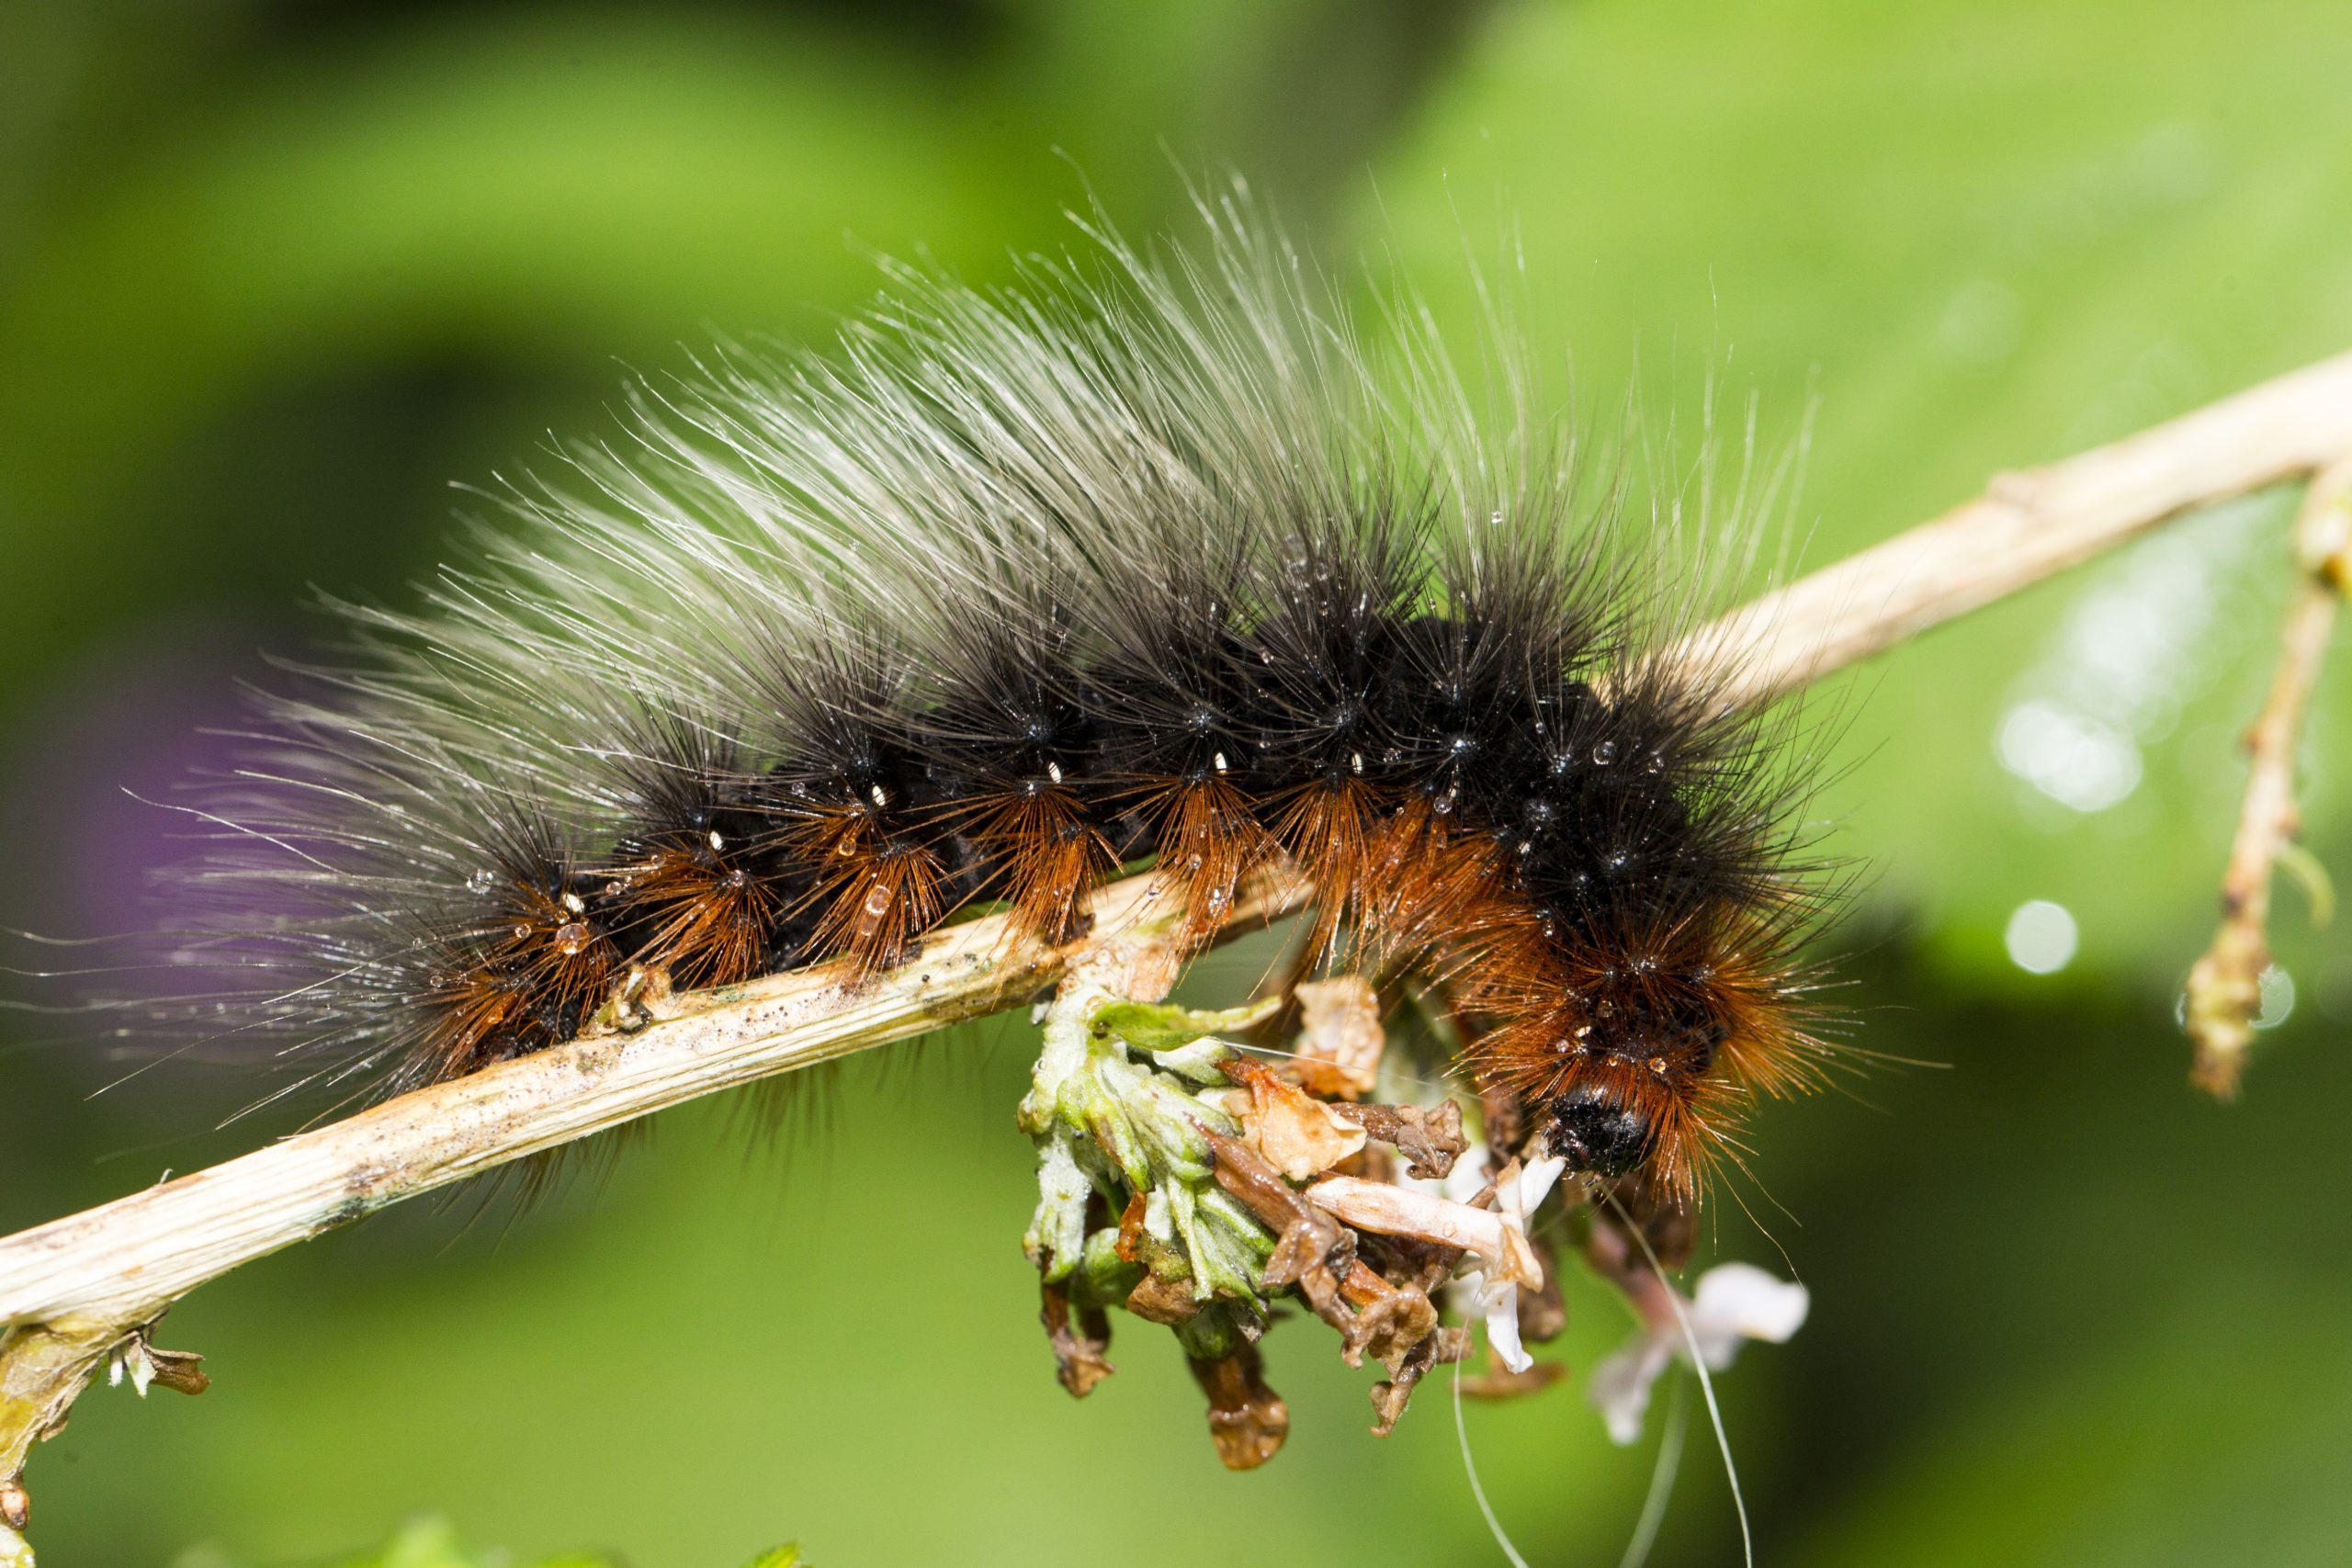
(1591, 1131)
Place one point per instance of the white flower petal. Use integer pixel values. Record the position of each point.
(1492, 1292)
(1497, 1301)
(1739, 1301)
(1535, 1184)
(1620, 1385)
(1734, 1303)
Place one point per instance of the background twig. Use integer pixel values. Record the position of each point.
(73, 1289)
(2029, 525)
(2225, 987)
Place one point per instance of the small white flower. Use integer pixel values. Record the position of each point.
(131, 1356)
(1486, 1292)
(1734, 1303)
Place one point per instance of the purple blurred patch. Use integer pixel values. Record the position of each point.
(89, 773)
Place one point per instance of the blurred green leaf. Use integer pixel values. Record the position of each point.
(782, 1557)
(549, 190)
(1974, 237)
(423, 1543)
(433, 1543)
(2191, 1446)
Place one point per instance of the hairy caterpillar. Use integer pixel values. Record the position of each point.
(1143, 561)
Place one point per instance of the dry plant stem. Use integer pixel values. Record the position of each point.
(2225, 987)
(71, 1290)
(2029, 525)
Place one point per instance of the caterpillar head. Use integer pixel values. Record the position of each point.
(1598, 1130)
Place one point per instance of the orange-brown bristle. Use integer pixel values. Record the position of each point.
(1209, 839)
(707, 913)
(1426, 886)
(477, 1007)
(1541, 1062)
(875, 892)
(1690, 1123)
(1403, 856)
(529, 983)
(1766, 1043)
(1664, 1024)
(1326, 827)
(1706, 992)
(1051, 855)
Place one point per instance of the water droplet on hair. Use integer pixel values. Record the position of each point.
(480, 882)
(1604, 753)
(877, 901)
(570, 937)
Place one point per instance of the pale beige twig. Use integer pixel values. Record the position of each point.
(2027, 525)
(72, 1290)
(2225, 993)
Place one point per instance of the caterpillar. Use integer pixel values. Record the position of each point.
(1171, 562)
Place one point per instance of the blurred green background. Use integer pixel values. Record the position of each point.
(273, 272)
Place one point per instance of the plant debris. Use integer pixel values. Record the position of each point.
(1079, 1341)
(1341, 1042)
(1247, 1421)
(1300, 1135)
(1428, 1138)
(1196, 1188)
